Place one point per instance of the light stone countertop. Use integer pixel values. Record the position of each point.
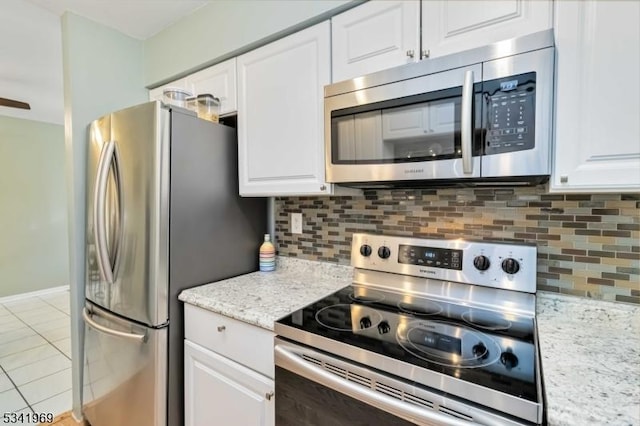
(590, 353)
(260, 298)
(590, 348)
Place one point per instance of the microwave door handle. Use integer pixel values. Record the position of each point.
(466, 122)
(99, 198)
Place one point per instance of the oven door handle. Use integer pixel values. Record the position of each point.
(291, 359)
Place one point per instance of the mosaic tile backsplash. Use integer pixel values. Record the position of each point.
(588, 245)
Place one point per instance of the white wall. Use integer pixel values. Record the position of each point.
(224, 28)
(31, 61)
(33, 207)
(103, 72)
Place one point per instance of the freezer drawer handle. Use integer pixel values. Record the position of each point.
(91, 323)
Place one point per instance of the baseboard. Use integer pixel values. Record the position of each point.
(20, 296)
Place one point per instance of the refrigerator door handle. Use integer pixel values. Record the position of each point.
(99, 197)
(91, 323)
(115, 221)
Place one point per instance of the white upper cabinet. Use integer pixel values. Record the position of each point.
(597, 124)
(219, 81)
(452, 26)
(375, 36)
(280, 115)
(156, 94)
(383, 34)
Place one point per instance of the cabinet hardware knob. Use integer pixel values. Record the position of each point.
(564, 179)
(269, 395)
(410, 53)
(221, 328)
(425, 54)
(323, 187)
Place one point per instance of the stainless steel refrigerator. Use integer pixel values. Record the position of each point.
(163, 214)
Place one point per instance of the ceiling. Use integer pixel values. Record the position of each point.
(136, 18)
(31, 47)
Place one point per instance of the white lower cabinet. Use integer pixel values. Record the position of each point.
(228, 371)
(219, 391)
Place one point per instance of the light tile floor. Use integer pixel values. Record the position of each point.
(35, 354)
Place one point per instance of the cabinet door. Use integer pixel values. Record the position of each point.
(450, 26)
(281, 115)
(219, 81)
(374, 36)
(597, 130)
(219, 391)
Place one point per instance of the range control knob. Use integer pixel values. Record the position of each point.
(510, 265)
(480, 351)
(365, 250)
(365, 322)
(509, 360)
(383, 327)
(384, 252)
(481, 263)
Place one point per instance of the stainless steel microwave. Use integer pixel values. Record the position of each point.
(480, 117)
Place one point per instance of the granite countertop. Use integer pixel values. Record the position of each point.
(260, 298)
(590, 360)
(590, 348)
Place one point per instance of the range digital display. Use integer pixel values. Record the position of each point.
(430, 256)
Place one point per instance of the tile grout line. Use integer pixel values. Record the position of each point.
(29, 405)
(47, 340)
(54, 306)
(17, 389)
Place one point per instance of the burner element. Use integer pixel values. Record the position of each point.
(344, 317)
(367, 296)
(448, 344)
(423, 308)
(486, 319)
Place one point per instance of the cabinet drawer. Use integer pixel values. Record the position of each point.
(246, 344)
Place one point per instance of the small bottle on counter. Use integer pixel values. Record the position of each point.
(267, 255)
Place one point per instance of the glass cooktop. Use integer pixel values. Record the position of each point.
(487, 348)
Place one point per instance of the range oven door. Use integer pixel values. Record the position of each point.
(315, 389)
(424, 128)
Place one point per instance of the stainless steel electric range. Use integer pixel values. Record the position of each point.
(431, 332)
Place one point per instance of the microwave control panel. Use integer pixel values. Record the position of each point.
(510, 113)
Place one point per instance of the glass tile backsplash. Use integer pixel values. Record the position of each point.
(588, 244)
